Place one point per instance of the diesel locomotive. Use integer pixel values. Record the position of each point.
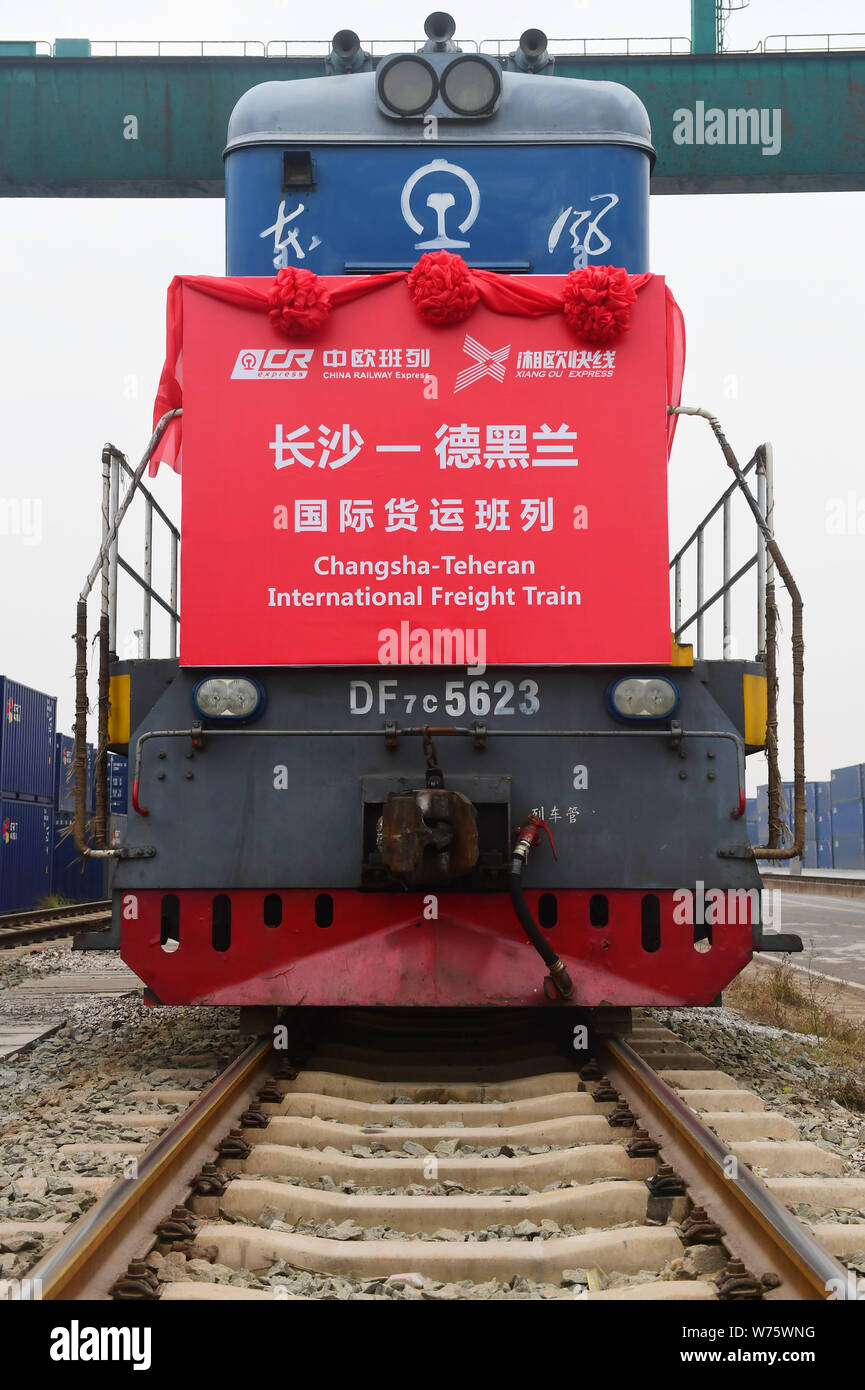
(435, 831)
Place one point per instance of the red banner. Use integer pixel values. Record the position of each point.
(386, 491)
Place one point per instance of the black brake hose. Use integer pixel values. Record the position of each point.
(558, 974)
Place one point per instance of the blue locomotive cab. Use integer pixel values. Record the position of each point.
(362, 172)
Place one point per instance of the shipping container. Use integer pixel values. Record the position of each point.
(848, 818)
(848, 852)
(91, 779)
(786, 801)
(763, 837)
(824, 825)
(117, 784)
(64, 779)
(28, 722)
(75, 878)
(823, 798)
(809, 859)
(64, 751)
(848, 783)
(824, 854)
(117, 823)
(26, 841)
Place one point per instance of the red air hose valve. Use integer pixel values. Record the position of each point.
(530, 834)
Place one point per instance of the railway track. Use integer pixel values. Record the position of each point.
(44, 924)
(470, 1157)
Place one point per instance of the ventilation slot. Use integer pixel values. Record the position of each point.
(599, 910)
(548, 910)
(651, 923)
(273, 910)
(169, 931)
(323, 910)
(220, 934)
(702, 937)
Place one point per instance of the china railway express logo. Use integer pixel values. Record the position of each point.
(9, 831)
(272, 364)
(13, 712)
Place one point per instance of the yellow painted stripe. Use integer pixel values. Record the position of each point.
(755, 696)
(681, 655)
(118, 713)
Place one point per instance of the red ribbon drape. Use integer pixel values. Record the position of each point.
(503, 294)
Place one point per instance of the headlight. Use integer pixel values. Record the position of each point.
(637, 697)
(407, 85)
(228, 697)
(471, 86)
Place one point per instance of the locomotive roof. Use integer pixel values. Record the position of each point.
(534, 109)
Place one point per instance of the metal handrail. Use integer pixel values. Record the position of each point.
(761, 461)
(144, 581)
(762, 512)
(295, 47)
(105, 567)
(813, 48)
(249, 48)
(423, 731)
(628, 45)
(577, 48)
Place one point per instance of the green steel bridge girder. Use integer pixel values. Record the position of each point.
(133, 127)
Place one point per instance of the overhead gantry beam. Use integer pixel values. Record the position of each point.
(155, 127)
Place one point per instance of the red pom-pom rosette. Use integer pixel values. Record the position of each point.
(442, 288)
(299, 302)
(597, 302)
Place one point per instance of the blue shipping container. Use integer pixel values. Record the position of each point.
(848, 783)
(809, 860)
(75, 878)
(823, 798)
(848, 818)
(848, 852)
(824, 825)
(824, 854)
(28, 721)
(118, 773)
(26, 841)
(786, 800)
(64, 750)
(64, 780)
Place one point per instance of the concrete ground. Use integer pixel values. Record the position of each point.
(832, 931)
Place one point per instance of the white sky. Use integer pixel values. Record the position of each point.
(771, 287)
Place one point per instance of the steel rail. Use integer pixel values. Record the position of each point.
(67, 926)
(120, 1227)
(756, 1227)
(46, 914)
